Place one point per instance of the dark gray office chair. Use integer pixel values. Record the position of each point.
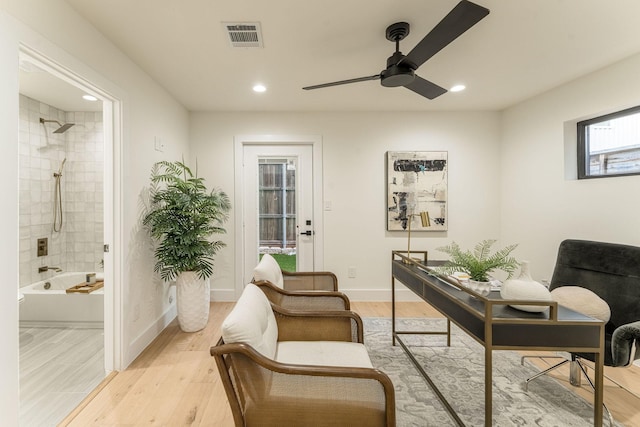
(611, 271)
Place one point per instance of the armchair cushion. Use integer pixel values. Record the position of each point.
(252, 322)
(269, 270)
(583, 301)
(323, 353)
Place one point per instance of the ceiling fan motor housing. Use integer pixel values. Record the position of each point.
(397, 74)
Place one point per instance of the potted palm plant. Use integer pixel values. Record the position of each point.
(479, 263)
(183, 216)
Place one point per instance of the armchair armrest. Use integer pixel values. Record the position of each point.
(318, 325)
(624, 344)
(265, 392)
(304, 300)
(310, 281)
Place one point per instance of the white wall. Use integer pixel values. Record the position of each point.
(9, 397)
(542, 201)
(55, 30)
(354, 147)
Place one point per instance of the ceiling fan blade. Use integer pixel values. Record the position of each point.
(425, 88)
(343, 82)
(464, 16)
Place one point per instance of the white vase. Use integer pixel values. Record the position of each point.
(525, 288)
(483, 288)
(192, 300)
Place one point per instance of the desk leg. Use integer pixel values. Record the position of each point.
(598, 393)
(393, 310)
(488, 386)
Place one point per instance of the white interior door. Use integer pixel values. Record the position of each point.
(298, 213)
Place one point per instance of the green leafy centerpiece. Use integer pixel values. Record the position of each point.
(479, 262)
(183, 217)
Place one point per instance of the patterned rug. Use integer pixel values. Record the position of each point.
(458, 371)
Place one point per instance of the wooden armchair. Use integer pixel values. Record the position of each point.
(282, 368)
(269, 270)
(304, 300)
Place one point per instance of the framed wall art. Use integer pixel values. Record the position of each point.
(416, 182)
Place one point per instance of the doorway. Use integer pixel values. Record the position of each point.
(278, 199)
(78, 144)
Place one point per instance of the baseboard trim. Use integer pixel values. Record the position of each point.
(56, 324)
(383, 295)
(143, 340)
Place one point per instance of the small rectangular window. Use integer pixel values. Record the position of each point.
(609, 145)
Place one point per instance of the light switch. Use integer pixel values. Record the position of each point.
(158, 144)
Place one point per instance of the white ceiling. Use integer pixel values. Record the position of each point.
(522, 48)
(38, 84)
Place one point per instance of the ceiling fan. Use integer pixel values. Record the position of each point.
(401, 69)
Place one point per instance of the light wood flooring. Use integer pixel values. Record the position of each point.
(174, 382)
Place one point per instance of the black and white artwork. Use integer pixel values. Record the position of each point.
(416, 182)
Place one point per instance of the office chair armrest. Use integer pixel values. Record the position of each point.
(624, 344)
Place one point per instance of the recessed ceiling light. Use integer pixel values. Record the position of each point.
(89, 97)
(458, 88)
(259, 88)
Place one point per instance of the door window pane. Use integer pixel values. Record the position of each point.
(277, 209)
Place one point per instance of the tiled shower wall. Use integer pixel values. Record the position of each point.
(79, 244)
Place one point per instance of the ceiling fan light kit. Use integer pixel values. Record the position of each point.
(400, 70)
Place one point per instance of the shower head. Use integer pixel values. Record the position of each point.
(59, 173)
(63, 127)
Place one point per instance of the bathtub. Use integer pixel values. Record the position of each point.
(55, 306)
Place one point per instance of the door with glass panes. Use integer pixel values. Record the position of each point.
(278, 206)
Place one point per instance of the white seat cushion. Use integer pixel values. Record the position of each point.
(252, 322)
(323, 353)
(268, 270)
(583, 301)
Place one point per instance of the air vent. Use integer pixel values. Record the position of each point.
(243, 34)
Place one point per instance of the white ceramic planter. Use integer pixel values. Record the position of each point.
(192, 300)
(483, 288)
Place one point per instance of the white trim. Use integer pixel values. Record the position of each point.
(56, 324)
(143, 340)
(113, 136)
(239, 141)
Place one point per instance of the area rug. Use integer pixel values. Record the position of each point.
(458, 371)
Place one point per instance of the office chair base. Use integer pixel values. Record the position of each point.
(575, 373)
(593, 387)
(576, 369)
(541, 373)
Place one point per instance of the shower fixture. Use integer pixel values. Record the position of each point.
(57, 199)
(63, 127)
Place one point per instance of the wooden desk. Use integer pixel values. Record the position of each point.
(495, 325)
